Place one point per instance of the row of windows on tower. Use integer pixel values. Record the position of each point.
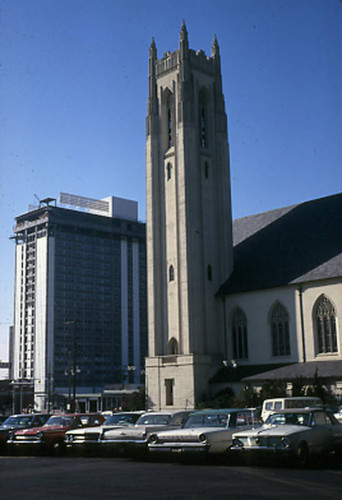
(324, 323)
(203, 134)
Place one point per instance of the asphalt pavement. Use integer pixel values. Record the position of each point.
(47, 478)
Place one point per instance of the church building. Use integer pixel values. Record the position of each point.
(226, 300)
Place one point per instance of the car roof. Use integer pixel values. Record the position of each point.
(299, 410)
(222, 410)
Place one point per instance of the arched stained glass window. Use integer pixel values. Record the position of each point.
(326, 331)
(239, 332)
(280, 331)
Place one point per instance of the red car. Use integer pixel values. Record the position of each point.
(50, 437)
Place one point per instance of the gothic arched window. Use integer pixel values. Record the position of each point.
(325, 319)
(167, 105)
(169, 124)
(172, 347)
(206, 170)
(169, 171)
(280, 331)
(171, 273)
(203, 121)
(239, 331)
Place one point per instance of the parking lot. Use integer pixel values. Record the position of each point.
(101, 478)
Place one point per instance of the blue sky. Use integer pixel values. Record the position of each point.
(73, 91)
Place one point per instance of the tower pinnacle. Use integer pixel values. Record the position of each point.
(215, 51)
(183, 33)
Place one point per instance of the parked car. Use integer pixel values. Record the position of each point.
(296, 434)
(86, 439)
(133, 440)
(22, 421)
(204, 433)
(50, 437)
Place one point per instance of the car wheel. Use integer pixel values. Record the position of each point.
(302, 455)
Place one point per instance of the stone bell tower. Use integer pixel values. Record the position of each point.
(189, 235)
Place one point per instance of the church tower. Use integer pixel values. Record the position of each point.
(189, 235)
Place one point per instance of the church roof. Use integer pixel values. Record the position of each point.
(325, 369)
(290, 245)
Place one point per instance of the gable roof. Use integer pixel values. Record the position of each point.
(288, 245)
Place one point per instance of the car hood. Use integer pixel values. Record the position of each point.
(195, 432)
(133, 431)
(48, 428)
(12, 427)
(97, 428)
(274, 430)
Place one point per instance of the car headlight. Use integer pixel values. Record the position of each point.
(285, 442)
(236, 442)
(11, 435)
(258, 442)
(69, 438)
(153, 438)
(202, 437)
(144, 435)
(39, 435)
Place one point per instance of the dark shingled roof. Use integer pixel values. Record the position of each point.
(286, 246)
(325, 370)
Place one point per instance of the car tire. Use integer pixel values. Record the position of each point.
(302, 455)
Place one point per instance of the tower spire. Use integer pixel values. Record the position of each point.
(183, 33)
(215, 51)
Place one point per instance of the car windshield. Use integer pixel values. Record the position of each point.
(207, 420)
(124, 419)
(58, 420)
(20, 420)
(153, 420)
(288, 419)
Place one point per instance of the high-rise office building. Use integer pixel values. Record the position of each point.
(80, 295)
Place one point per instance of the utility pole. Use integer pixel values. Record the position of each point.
(74, 362)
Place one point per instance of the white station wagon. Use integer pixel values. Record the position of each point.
(133, 440)
(204, 433)
(296, 433)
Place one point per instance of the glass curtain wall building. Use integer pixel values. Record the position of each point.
(80, 296)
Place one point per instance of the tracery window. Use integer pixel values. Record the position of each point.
(280, 331)
(239, 331)
(325, 319)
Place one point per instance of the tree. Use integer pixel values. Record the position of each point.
(273, 389)
(248, 398)
(136, 400)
